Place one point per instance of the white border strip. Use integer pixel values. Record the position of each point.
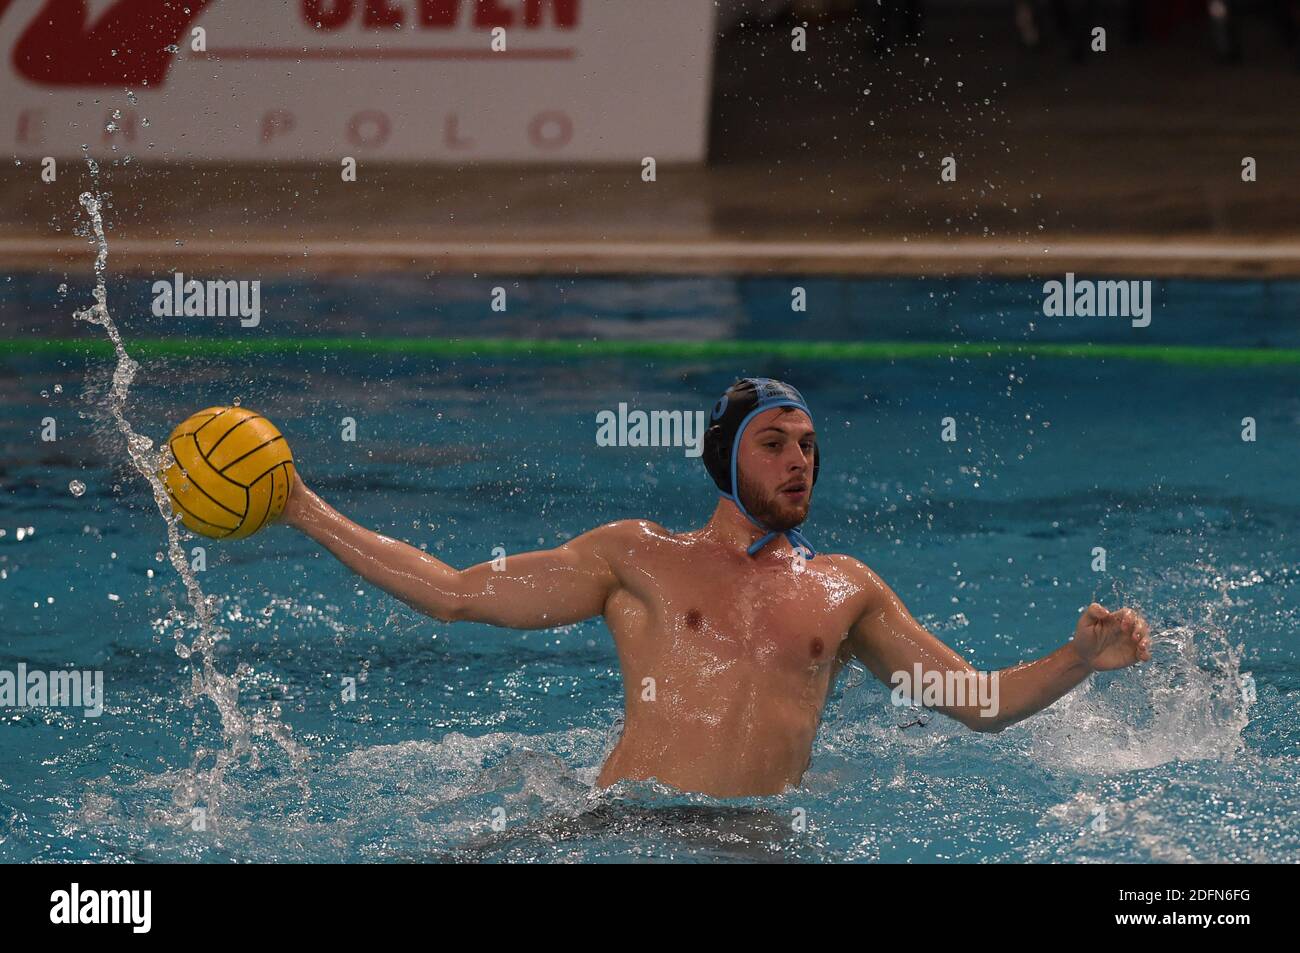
(702, 255)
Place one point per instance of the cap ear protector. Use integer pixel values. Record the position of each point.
(743, 401)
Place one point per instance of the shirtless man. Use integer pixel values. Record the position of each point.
(731, 636)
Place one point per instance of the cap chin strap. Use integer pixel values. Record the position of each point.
(797, 540)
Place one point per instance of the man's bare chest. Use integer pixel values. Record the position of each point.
(778, 617)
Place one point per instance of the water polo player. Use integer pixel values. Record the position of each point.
(730, 636)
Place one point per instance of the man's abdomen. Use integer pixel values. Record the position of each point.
(748, 745)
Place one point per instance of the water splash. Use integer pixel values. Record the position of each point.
(200, 783)
(1191, 702)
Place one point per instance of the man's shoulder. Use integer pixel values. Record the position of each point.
(849, 565)
(628, 533)
(635, 528)
(624, 542)
(855, 570)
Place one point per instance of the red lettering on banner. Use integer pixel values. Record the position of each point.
(328, 14)
(374, 119)
(276, 122)
(488, 15)
(444, 14)
(125, 47)
(452, 137)
(566, 12)
(31, 126)
(125, 126)
(378, 14)
(439, 12)
(550, 130)
(373, 129)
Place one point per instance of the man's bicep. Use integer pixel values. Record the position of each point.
(540, 589)
(887, 639)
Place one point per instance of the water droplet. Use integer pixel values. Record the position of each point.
(76, 488)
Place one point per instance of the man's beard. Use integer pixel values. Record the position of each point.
(769, 509)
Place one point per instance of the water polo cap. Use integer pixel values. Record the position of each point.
(743, 401)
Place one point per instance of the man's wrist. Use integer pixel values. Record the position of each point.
(1077, 657)
(299, 506)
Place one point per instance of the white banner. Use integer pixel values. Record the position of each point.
(423, 80)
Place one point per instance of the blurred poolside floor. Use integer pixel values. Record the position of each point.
(826, 162)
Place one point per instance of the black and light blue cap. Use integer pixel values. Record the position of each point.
(743, 401)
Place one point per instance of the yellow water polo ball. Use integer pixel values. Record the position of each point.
(232, 474)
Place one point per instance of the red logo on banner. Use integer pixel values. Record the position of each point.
(128, 44)
(125, 47)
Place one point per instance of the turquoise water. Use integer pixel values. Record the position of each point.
(988, 540)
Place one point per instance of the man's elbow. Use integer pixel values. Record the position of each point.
(450, 601)
(983, 721)
(453, 608)
(445, 607)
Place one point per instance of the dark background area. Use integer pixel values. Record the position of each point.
(842, 143)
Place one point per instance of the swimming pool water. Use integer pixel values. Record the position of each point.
(989, 540)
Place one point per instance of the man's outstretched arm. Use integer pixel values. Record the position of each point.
(532, 591)
(889, 641)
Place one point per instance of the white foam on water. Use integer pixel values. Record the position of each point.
(1189, 703)
(1186, 704)
(407, 800)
